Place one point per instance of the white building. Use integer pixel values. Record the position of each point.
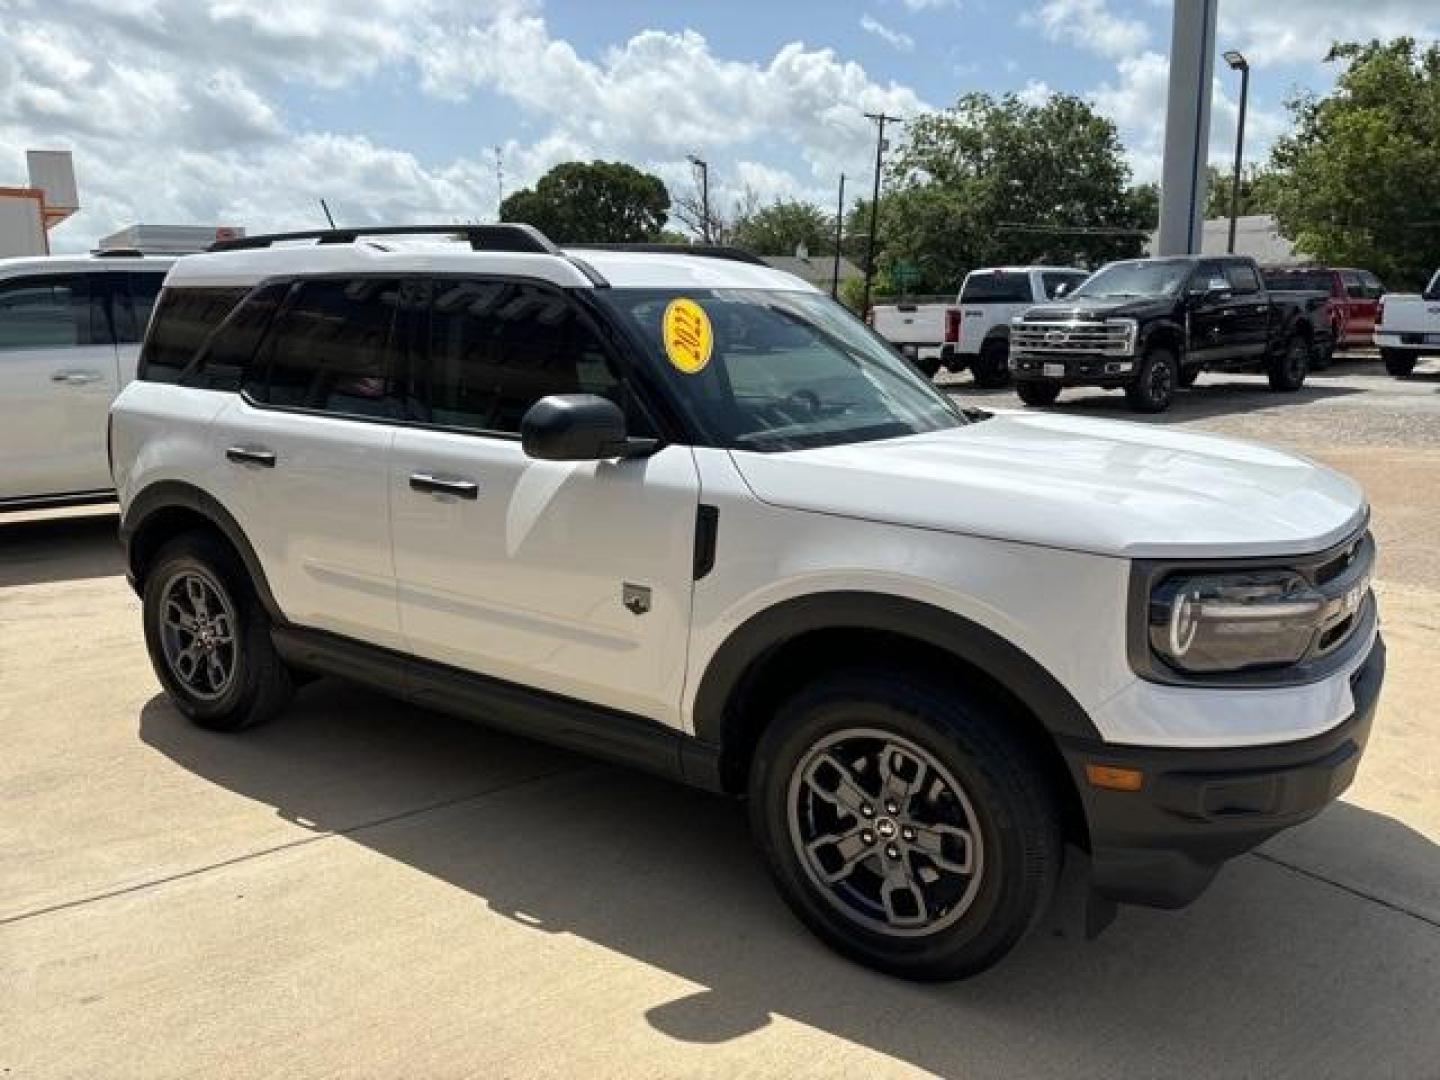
(27, 214)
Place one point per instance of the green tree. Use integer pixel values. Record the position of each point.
(596, 203)
(1360, 174)
(1259, 191)
(993, 181)
(778, 228)
(1145, 204)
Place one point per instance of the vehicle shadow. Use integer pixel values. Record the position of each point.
(66, 548)
(1274, 972)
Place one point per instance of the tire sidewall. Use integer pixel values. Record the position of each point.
(992, 367)
(1145, 395)
(999, 913)
(196, 553)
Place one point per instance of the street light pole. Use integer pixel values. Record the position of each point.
(880, 121)
(839, 236)
(704, 167)
(1238, 63)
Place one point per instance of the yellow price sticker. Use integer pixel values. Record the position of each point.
(688, 336)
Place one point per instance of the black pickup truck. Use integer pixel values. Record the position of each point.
(1150, 326)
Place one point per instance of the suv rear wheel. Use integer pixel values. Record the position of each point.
(209, 638)
(992, 367)
(1037, 394)
(903, 825)
(1154, 385)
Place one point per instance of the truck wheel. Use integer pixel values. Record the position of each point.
(903, 824)
(1154, 385)
(992, 367)
(1037, 394)
(929, 367)
(1397, 363)
(209, 637)
(1288, 370)
(1188, 374)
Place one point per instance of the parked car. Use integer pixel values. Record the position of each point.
(70, 329)
(1149, 326)
(682, 511)
(978, 333)
(1407, 328)
(915, 327)
(1354, 298)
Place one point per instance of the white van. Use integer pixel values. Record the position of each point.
(70, 330)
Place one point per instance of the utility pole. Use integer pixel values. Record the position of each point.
(499, 181)
(703, 167)
(839, 235)
(880, 121)
(1238, 63)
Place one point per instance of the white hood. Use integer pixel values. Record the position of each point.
(1108, 487)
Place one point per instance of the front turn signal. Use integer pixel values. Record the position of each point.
(1114, 777)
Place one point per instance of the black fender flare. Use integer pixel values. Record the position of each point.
(1019, 673)
(1163, 328)
(166, 495)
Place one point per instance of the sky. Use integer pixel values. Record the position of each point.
(395, 111)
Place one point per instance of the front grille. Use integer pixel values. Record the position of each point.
(1115, 338)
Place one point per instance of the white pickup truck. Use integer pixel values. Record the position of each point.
(973, 331)
(1407, 328)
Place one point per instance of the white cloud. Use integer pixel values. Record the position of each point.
(1035, 92)
(1089, 24)
(176, 108)
(1301, 31)
(930, 5)
(894, 38)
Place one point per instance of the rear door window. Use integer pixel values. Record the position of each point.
(497, 347)
(996, 288)
(330, 349)
(1058, 285)
(1297, 280)
(225, 360)
(44, 311)
(1242, 278)
(184, 318)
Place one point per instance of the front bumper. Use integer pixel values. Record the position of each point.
(1163, 844)
(1080, 369)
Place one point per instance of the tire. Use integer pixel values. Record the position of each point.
(1322, 356)
(197, 577)
(929, 367)
(952, 924)
(1153, 388)
(1399, 364)
(1288, 370)
(1037, 394)
(992, 367)
(1188, 374)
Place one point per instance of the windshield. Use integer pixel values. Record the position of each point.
(784, 370)
(1149, 277)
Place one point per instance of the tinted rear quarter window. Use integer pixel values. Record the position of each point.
(132, 301)
(330, 350)
(996, 289)
(184, 318)
(497, 347)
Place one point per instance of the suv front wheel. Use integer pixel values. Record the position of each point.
(209, 637)
(1154, 385)
(903, 824)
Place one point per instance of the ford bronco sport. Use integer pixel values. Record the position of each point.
(680, 510)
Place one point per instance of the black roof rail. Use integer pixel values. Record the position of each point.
(118, 253)
(708, 251)
(505, 237)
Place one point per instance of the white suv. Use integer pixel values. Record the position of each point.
(681, 510)
(70, 329)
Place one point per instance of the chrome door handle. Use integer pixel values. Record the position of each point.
(76, 378)
(431, 484)
(251, 455)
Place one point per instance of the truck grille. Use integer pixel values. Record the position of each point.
(1115, 338)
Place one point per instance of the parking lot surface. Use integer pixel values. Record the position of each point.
(365, 889)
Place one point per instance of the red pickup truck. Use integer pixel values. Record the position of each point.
(1354, 296)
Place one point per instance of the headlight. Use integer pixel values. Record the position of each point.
(1211, 623)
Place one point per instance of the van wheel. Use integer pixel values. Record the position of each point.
(1153, 387)
(903, 824)
(1397, 363)
(992, 367)
(1037, 394)
(209, 637)
(1288, 370)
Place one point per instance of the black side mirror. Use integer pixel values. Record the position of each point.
(578, 427)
